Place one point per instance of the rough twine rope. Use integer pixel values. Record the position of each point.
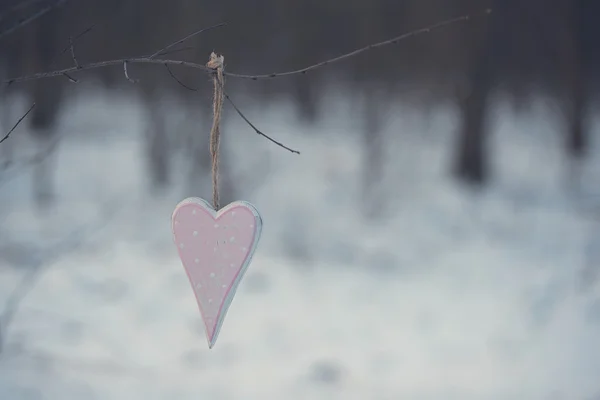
(216, 63)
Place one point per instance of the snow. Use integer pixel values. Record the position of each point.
(446, 294)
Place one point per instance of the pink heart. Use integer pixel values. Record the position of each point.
(215, 249)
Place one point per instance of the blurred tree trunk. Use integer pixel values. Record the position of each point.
(471, 164)
(374, 152)
(574, 70)
(7, 148)
(47, 94)
(157, 141)
(306, 94)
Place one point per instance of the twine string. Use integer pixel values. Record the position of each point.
(216, 63)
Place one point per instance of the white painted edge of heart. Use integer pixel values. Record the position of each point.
(257, 233)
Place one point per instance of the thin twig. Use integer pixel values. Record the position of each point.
(71, 79)
(18, 6)
(127, 74)
(87, 30)
(72, 41)
(240, 113)
(178, 81)
(191, 35)
(177, 50)
(18, 122)
(73, 52)
(256, 129)
(147, 60)
(24, 21)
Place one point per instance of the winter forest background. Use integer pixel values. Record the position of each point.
(438, 237)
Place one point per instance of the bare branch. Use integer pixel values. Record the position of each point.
(89, 29)
(177, 50)
(237, 110)
(73, 52)
(18, 6)
(178, 81)
(18, 123)
(72, 41)
(71, 79)
(127, 74)
(152, 60)
(147, 60)
(108, 63)
(394, 40)
(256, 129)
(24, 21)
(191, 35)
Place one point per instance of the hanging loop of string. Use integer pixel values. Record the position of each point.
(216, 63)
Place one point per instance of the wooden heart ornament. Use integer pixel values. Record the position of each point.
(215, 248)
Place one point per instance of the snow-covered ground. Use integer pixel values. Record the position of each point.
(447, 294)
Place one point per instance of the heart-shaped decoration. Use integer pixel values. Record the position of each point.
(215, 248)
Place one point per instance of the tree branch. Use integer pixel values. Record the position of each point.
(24, 21)
(152, 60)
(108, 63)
(17, 124)
(87, 30)
(70, 46)
(191, 35)
(394, 40)
(149, 60)
(18, 6)
(258, 131)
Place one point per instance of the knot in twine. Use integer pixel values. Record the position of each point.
(216, 63)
